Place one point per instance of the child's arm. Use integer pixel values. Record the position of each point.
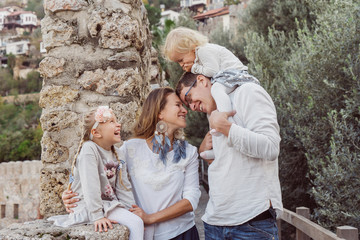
(90, 182)
(103, 223)
(206, 63)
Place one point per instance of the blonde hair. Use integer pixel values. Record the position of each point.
(155, 102)
(182, 40)
(88, 123)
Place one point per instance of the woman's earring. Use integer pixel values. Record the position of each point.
(161, 127)
(161, 142)
(179, 145)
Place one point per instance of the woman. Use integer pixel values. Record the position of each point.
(163, 169)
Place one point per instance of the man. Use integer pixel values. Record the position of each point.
(243, 178)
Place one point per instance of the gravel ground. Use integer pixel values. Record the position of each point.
(199, 212)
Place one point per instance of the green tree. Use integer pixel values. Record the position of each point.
(154, 15)
(37, 7)
(169, 4)
(231, 2)
(313, 74)
(34, 82)
(20, 132)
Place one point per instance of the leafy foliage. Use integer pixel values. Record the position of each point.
(11, 86)
(37, 7)
(306, 55)
(231, 2)
(20, 132)
(313, 74)
(154, 15)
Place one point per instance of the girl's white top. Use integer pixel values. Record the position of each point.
(157, 186)
(211, 58)
(96, 180)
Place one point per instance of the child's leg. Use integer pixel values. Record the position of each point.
(208, 154)
(149, 232)
(220, 93)
(132, 221)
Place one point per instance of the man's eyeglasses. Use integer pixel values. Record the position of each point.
(188, 96)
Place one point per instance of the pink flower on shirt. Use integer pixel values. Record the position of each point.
(109, 192)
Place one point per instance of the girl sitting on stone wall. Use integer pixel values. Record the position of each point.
(100, 178)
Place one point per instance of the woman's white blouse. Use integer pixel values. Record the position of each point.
(157, 186)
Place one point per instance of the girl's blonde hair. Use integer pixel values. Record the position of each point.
(182, 40)
(146, 124)
(88, 123)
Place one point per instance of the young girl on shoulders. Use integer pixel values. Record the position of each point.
(100, 178)
(194, 54)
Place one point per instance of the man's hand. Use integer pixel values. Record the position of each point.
(103, 223)
(69, 200)
(219, 121)
(142, 214)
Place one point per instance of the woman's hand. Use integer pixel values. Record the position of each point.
(206, 144)
(103, 223)
(143, 215)
(69, 200)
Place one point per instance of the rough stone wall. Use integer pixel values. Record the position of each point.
(42, 229)
(19, 184)
(98, 53)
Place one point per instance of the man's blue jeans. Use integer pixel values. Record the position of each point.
(252, 230)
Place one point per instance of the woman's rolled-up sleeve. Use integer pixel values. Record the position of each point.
(191, 190)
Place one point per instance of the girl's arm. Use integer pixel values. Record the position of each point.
(90, 182)
(191, 195)
(207, 62)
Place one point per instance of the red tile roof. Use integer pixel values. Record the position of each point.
(212, 13)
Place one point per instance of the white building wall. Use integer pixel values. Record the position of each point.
(226, 22)
(189, 3)
(168, 14)
(17, 48)
(3, 14)
(28, 19)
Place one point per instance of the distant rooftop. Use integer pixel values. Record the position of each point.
(212, 13)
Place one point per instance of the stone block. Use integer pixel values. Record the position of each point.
(55, 96)
(55, 121)
(52, 185)
(56, 32)
(123, 82)
(52, 151)
(116, 30)
(51, 67)
(126, 114)
(131, 55)
(64, 5)
(43, 229)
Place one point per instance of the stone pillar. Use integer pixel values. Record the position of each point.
(98, 53)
